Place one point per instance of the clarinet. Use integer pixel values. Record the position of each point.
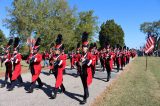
(32, 59)
(84, 65)
(13, 59)
(31, 62)
(57, 61)
(85, 61)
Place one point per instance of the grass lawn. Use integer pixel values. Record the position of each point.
(135, 86)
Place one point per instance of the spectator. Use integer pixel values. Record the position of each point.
(45, 57)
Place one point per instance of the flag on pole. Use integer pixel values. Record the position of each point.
(149, 44)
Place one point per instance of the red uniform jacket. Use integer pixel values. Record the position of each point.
(64, 58)
(118, 58)
(128, 54)
(111, 60)
(77, 59)
(88, 68)
(61, 67)
(97, 56)
(36, 66)
(93, 60)
(17, 66)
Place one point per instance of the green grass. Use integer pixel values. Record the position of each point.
(135, 87)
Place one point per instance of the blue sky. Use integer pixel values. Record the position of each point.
(127, 13)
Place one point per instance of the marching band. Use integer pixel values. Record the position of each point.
(85, 61)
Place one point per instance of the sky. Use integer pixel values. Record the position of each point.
(127, 13)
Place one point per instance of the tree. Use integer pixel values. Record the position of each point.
(112, 33)
(154, 29)
(86, 22)
(48, 18)
(3, 40)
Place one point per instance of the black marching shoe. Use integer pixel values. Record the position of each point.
(20, 85)
(84, 101)
(62, 88)
(108, 78)
(30, 90)
(11, 88)
(40, 86)
(53, 95)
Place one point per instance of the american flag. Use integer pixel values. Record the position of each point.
(150, 44)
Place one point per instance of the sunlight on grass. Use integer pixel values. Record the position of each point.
(135, 87)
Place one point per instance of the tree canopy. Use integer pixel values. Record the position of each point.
(3, 40)
(48, 18)
(111, 33)
(154, 29)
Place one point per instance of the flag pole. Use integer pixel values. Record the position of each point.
(146, 61)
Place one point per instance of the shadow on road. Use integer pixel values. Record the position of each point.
(73, 96)
(72, 74)
(47, 89)
(102, 79)
(45, 73)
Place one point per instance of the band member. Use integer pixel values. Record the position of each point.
(59, 66)
(93, 65)
(112, 58)
(123, 57)
(35, 66)
(16, 58)
(101, 55)
(133, 53)
(77, 59)
(8, 63)
(127, 56)
(86, 73)
(118, 58)
(107, 58)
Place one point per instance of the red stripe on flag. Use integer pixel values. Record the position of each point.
(149, 44)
